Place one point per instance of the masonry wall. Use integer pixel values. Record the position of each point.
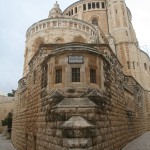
(6, 106)
(106, 114)
(147, 94)
(115, 112)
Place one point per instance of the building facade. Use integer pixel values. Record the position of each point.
(6, 106)
(86, 83)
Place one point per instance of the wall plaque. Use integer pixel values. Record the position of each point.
(75, 59)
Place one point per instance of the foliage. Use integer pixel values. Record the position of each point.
(12, 94)
(8, 121)
(4, 122)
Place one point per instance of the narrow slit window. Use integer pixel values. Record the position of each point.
(97, 5)
(145, 66)
(44, 76)
(58, 78)
(103, 5)
(75, 74)
(93, 5)
(76, 10)
(128, 64)
(116, 11)
(84, 7)
(89, 5)
(92, 75)
(34, 76)
(71, 11)
(133, 65)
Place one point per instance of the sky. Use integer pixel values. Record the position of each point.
(16, 16)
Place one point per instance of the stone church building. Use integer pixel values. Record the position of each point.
(86, 82)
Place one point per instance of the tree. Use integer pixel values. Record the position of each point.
(12, 94)
(8, 122)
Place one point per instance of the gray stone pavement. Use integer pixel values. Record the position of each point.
(5, 144)
(141, 143)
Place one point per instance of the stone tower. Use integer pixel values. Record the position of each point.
(127, 48)
(55, 12)
(120, 28)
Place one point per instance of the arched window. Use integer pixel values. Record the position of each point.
(79, 39)
(95, 21)
(37, 44)
(59, 40)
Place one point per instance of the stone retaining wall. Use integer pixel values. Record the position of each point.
(104, 117)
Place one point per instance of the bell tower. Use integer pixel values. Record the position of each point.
(121, 29)
(119, 18)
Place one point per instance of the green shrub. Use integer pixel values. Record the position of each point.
(8, 122)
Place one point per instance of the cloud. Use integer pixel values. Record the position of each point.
(16, 17)
(141, 21)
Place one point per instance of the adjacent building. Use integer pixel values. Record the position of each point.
(6, 106)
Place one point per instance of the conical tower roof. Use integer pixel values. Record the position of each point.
(55, 11)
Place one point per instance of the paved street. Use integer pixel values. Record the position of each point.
(5, 144)
(141, 143)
